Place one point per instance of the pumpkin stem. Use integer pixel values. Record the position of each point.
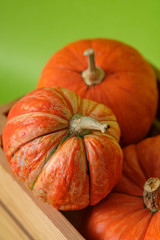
(92, 75)
(151, 194)
(81, 125)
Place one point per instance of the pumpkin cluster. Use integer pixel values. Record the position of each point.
(79, 141)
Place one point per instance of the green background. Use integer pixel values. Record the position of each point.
(31, 31)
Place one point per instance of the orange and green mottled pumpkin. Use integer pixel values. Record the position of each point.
(64, 148)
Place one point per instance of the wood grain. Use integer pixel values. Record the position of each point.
(21, 212)
(9, 229)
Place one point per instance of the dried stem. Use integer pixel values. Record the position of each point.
(91, 59)
(151, 194)
(81, 125)
(92, 75)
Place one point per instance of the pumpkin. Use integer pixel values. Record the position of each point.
(132, 210)
(64, 148)
(111, 73)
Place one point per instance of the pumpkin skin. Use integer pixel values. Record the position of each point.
(129, 87)
(122, 214)
(68, 172)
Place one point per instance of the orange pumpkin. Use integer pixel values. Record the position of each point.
(132, 210)
(63, 147)
(122, 79)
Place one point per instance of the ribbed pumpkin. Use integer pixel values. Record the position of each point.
(116, 75)
(132, 210)
(63, 147)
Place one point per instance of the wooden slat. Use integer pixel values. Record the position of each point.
(36, 219)
(9, 229)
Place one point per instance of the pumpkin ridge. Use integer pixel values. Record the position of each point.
(88, 170)
(105, 96)
(38, 97)
(90, 113)
(36, 138)
(93, 108)
(135, 99)
(128, 194)
(59, 93)
(104, 188)
(33, 124)
(145, 231)
(128, 211)
(44, 103)
(76, 56)
(99, 43)
(131, 95)
(121, 45)
(62, 205)
(121, 220)
(86, 90)
(143, 235)
(35, 114)
(80, 107)
(45, 162)
(67, 102)
(140, 166)
(139, 162)
(63, 68)
(128, 177)
(117, 47)
(65, 138)
(108, 135)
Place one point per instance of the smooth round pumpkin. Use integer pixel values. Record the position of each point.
(64, 148)
(124, 213)
(119, 77)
